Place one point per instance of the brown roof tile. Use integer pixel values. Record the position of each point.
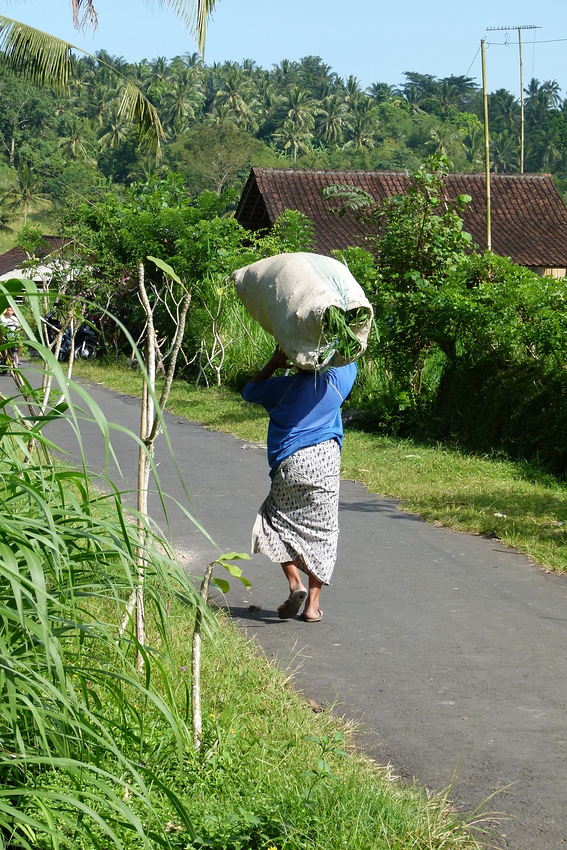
(528, 216)
(15, 257)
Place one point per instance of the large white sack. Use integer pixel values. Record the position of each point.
(288, 295)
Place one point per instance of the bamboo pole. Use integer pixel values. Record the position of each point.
(486, 149)
(197, 715)
(144, 464)
(521, 103)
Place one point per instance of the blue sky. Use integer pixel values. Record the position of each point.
(375, 41)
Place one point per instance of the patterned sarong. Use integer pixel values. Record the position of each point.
(300, 517)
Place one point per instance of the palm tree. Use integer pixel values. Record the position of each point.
(140, 74)
(159, 68)
(551, 144)
(413, 99)
(235, 99)
(113, 130)
(292, 136)
(379, 92)
(537, 109)
(301, 108)
(352, 90)
(46, 60)
(82, 80)
(75, 144)
(99, 101)
(553, 92)
(544, 147)
(334, 120)
(505, 153)
(446, 98)
(504, 107)
(25, 194)
(233, 90)
(182, 98)
(473, 144)
(363, 123)
(267, 97)
(249, 66)
(540, 99)
(285, 73)
(442, 139)
(193, 60)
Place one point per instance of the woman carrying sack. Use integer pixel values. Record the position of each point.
(297, 525)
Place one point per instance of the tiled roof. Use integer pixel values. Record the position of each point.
(528, 216)
(15, 257)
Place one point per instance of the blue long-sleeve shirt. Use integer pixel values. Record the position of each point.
(304, 409)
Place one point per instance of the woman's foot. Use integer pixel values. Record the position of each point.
(308, 618)
(297, 593)
(290, 608)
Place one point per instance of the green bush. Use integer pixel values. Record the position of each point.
(512, 407)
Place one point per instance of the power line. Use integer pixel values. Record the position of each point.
(509, 43)
(472, 63)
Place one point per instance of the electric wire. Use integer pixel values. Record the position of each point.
(515, 43)
(472, 63)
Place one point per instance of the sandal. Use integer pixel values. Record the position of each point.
(293, 603)
(316, 619)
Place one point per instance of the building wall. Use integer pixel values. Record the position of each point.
(543, 271)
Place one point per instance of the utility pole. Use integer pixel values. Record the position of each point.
(520, 28)
(486, 148)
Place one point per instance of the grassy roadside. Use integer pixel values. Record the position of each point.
(273, 774)
(523, 507)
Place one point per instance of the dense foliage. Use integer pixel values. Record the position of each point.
(74, 760)
(220, 119)
(467, 347)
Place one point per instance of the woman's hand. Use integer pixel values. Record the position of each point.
(278, 360)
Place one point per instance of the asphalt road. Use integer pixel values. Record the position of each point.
(448, 649)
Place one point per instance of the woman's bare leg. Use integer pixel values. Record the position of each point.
(297, 593)
(293, 576)
(312, 610)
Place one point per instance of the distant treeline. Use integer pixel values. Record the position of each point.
(221, 119)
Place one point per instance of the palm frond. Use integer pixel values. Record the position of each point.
(134, 106)
(48, 61)
(84, 14)
(39, 57)
(194, 14)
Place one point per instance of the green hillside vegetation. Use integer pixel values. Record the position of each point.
(221, 119)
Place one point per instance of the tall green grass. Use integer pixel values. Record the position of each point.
(74, 765)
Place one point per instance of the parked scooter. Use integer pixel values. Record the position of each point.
(86, 342)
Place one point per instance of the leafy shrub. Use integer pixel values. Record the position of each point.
(514, 407)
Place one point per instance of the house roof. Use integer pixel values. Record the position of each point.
(15, 257)
(528, 215)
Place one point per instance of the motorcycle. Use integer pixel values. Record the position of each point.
(86, 342)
